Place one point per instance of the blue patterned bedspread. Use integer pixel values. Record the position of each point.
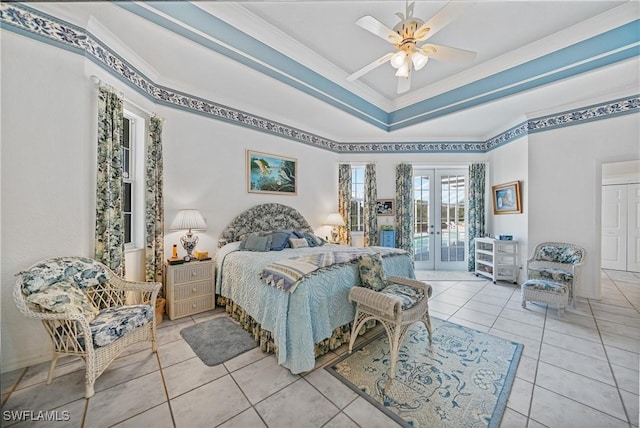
(301, 319)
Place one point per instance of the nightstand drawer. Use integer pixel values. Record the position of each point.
(192, 272)
(192, 306)
(191, 290)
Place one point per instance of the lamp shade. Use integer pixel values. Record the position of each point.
(188, 219)
(335, 219)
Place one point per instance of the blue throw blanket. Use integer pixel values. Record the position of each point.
(286, 274)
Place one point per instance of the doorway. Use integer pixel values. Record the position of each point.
(440, 200)
(620, 241)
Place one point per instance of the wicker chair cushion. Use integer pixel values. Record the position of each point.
(83, 271)
(559, 254)
(63, 297)
(557, 275)
(407, 295)
(372, 272)
(113, 323)
(543, 285)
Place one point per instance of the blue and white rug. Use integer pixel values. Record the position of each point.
(462, 380)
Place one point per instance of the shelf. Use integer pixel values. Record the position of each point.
(497, 260)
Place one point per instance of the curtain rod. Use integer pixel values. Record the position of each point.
(99, 83)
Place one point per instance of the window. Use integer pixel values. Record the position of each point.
(133, 180)
(357, 198)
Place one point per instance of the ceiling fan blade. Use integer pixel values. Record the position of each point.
(367, 68)
(404, 83)
(376, 27)
(441, 19)
(448, 54)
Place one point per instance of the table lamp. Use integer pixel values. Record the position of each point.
(335, 220)
(189, 219)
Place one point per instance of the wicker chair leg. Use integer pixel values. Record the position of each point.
(394, 344)
(89, 391)
(427, 323)
(52, 368)
(358, 322)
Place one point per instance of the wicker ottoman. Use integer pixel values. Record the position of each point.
(545, 291)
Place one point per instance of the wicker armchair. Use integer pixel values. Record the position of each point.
(396, 303)
(552, 274)
(83, 307)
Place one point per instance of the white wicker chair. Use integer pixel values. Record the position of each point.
(98, 337)
(388, 311)
(552, 274)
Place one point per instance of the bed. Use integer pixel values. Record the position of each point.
(298, 325)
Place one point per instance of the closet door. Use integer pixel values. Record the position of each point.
(633, 227)
(614, 227)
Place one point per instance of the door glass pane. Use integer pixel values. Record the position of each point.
(422, 221)
(453, 228)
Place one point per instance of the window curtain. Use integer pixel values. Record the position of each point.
(344, 203)
(154, 203)
(476, 209)
(404, 207)
(370, 213)
(109, 238)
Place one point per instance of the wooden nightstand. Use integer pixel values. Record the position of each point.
(189, 288)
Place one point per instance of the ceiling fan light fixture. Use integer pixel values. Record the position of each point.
(403, 71)
(419, 60)
(398, 59)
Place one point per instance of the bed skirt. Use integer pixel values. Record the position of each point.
(340, 336)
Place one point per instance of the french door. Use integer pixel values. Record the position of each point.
(440, 199)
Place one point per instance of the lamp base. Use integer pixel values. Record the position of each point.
(189, 242)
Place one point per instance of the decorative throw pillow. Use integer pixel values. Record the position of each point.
(279, 240)
(256, 243)
(372, 272)
(298, 242)
(64, 297)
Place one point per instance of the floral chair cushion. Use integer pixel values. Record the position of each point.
(372, 272)
(559, 254)
(65, 297)
(112, 323)
(408, 296)
(85, 272)
(557, 275)
(547, 286)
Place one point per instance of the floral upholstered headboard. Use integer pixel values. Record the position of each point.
(263, 218)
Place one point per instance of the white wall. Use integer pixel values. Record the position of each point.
(506, 164)
(49, 123)
(565, 173)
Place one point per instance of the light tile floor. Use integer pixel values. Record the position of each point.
(578, 371)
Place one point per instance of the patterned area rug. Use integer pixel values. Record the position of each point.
(464, 380)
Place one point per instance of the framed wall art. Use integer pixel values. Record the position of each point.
(385, 207)
(506, 198)
(271, 173)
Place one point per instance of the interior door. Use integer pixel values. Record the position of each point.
(440, 219)
(633, 227)
(614, 227)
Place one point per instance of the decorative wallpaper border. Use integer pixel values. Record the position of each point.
(29, 22)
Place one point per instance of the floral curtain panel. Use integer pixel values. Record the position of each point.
(476, 209)
(404, 207)
(370, 198)
(109, 238)
(344, 202)
(154, 203)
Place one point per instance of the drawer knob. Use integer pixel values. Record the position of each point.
(193, 306)
(193, 274)
(193, 290)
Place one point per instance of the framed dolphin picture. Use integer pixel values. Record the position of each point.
(271, 173)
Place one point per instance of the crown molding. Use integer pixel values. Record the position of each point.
(40, 26)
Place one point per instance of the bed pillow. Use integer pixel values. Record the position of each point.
(279, 240)
(298, 242)
(256, 243)
(372, 272)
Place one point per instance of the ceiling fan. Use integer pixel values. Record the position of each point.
(405, 36)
